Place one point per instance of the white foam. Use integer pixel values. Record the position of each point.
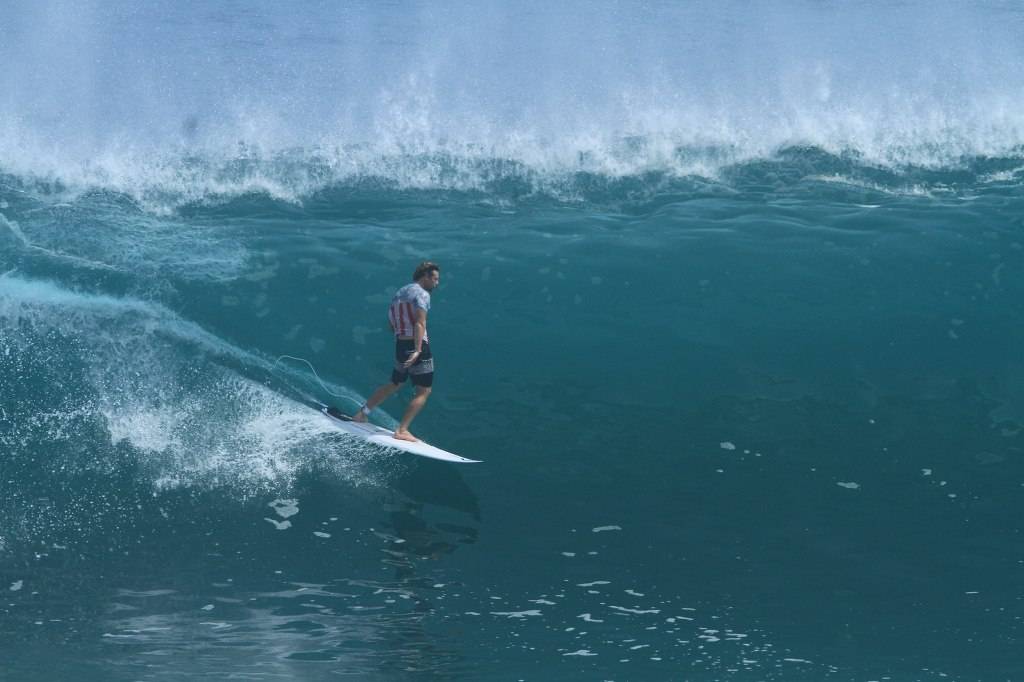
(222, 429)
(428, 111)
(147, 428)
(636, 611)
(285, 508)
(279, 525)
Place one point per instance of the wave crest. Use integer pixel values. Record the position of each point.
(630, 168)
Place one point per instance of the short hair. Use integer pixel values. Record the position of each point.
(424, 268)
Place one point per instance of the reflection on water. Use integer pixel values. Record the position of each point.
(325, 602)
(344, 588)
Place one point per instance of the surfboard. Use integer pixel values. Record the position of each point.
(378, 436)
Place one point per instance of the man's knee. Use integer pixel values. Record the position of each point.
(423, 391)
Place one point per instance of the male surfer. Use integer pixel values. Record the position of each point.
(408, 319)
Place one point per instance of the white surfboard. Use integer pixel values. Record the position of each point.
(378, 436)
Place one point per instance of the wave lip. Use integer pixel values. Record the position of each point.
(629, 166)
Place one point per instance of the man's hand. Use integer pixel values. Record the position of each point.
(411, 360)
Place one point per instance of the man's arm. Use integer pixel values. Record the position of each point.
(419, 331)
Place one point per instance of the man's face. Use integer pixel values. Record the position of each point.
(430, 282)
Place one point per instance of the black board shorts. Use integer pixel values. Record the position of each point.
(421, 371)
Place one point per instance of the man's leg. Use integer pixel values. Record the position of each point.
(379, 396)
(415, 405)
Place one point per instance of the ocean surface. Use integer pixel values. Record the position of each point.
(731, 310)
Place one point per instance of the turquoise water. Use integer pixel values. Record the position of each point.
(730, 308)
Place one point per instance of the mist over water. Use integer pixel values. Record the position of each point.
(191, 100)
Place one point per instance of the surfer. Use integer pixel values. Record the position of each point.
(407, 316)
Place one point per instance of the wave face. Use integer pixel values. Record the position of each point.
(189, 101)
(729, 308)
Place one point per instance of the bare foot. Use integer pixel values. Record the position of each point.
(359, 417)
(405, 435)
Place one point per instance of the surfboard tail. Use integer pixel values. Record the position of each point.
(379, 436)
